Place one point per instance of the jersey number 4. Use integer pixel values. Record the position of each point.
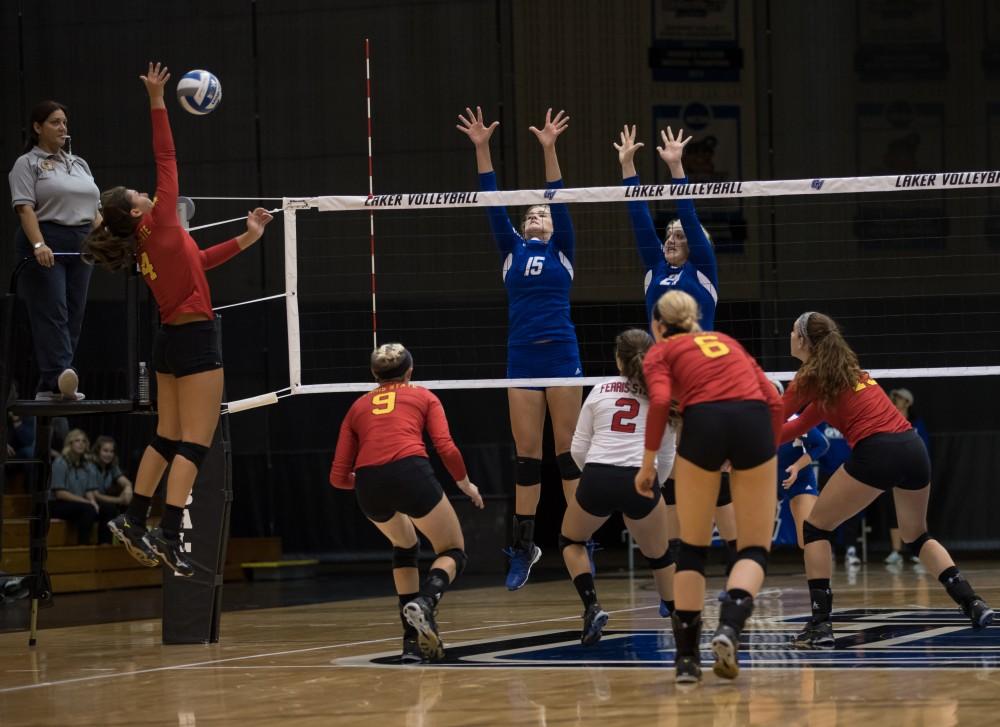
(383, 403)
(534, 265)
(628, 409)
(146, 267)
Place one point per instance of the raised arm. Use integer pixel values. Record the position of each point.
(214, 256)
(165, 208)
(563, 236)
(701, 254)
(649, 243)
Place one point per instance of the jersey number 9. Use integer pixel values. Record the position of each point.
(383, 403)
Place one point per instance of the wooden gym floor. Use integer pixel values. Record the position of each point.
(904, 657)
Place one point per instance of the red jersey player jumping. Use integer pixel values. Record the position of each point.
(381, 454)
(186, 353)
(730, 412)
(886, 454)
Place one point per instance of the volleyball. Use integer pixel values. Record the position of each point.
(199, 92)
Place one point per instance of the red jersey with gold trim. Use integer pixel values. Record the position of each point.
(858, 413)
(695, 368)
(170, 261)
(387, 424)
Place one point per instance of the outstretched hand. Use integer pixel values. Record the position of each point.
(155, 79)
(553, 127)
(257, 220)
(673, 146)
(628, 147)
(473, 126)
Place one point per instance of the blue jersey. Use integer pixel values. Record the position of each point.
(537, 275)
(812, 443)
(838, 452)
(698, 276)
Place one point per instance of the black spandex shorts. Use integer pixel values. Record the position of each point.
(189, 348)
(607, 488)
(891, 460)
(725, 494)
(715, 431)
(407, 485)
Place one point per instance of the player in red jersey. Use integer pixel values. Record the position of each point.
(186, 353)
(730, 412)
(886, 454)
(381, 454)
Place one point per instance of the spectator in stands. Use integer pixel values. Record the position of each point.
(903, 401)
(74, 488)
(20, 436)
(113, 487)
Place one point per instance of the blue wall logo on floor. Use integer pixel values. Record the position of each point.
(866, 638)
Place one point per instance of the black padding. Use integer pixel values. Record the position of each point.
(193, 453)
(567, 467)
(756, 553)
(166, 448)
(529, 471)
(664, 561)
(405, 557)
(811, 533)
(565, 542)
(692, 557)
(918, 544)
(457, 555)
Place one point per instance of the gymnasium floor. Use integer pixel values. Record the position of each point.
(904, 657)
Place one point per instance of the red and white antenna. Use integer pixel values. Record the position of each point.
(371, 189)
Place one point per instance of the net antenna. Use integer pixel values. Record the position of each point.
(371, 188)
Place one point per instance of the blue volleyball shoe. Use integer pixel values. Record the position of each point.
(521, 560)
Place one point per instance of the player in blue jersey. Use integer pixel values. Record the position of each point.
(796, 477)
(537, 269)
(684, 260)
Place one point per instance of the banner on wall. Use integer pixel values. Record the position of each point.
(900, 138)
(901, 40)
(695, 40)
(713, 155)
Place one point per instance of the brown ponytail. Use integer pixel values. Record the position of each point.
(832, 367)
(112, 245)
(631, 347)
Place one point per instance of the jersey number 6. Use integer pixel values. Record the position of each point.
(383, 403)
(711, 346)
(627, 409)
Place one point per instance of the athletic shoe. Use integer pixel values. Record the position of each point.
(48, 396)
(594, 619)
(894, 558)
(169, 552)
(914, 559)
(132, 537)
(979, 613)
(687, 650)
(815, 636)
(851, 560)
(687, 670)
(592, 547)
(664, 609)
(68, 382)
(726, 646)
(411, 651)
(419, 613)
(521, 561)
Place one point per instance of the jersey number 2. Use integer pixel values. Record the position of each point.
(627, 409)
(383, 403)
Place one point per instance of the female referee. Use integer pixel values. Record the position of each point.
(186, 353)
(886, 454)
(381, 441)
(684, 260)
(541, 339)
(608, 445)
(730, 411)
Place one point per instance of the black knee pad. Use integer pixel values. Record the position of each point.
(529, 471)
(565, 542)
(405, 557)
(692, 557)
(811, 533)
(756, 553)
(664, 561)
(457, 555)
(917, 544)
(193, 453)
(166, 448)
(675, 548)
(567, 466)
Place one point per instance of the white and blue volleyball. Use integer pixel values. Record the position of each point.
(199, 92)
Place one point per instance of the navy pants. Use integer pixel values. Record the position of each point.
(55, 299)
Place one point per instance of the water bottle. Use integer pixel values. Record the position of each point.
(144, 398)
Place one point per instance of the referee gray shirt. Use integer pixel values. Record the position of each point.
(59, 187)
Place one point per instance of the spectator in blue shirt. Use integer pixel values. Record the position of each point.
(74, 489)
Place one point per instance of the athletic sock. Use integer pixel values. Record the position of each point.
(585, 587)
(821, 598)
(958, 588)
(524, 531)
(435, 585)
(138, 509)
(171, 522)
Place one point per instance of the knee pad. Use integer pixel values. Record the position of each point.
(811, 533)
(166, 448)
(565, 542)
(756, 553)
(917, 544)
(193, 453)
(529, 471)
(692, 557)
(674, 544)
(457, 555)
(567, 466)
(405, 557)
(664, 561)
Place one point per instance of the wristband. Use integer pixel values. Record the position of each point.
(37, 245)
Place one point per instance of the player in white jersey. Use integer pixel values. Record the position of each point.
(608, 446)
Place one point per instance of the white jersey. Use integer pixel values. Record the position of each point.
(612, 428)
